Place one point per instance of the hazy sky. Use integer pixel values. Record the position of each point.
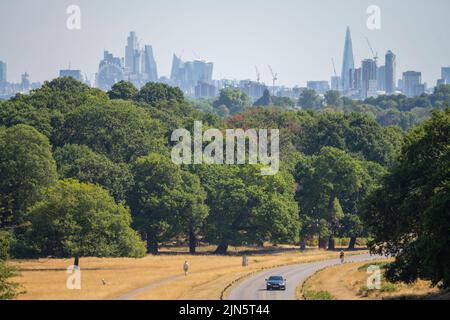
(297, 38)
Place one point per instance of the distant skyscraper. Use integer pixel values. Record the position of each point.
(110, 71)
(381, 78)
(412, 84)
(3, 79)
(390, 72)
(320, 87)
(336, 83)
(348, 64)
(130, 51)
(25, 83)
(368, 78)
(186, 75)
(149, 64)
(445, 74)
(76, 74)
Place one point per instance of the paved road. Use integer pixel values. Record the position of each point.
(254, 287)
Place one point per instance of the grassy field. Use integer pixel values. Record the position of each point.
(160, 277)
(348, 282)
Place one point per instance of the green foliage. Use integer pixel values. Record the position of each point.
(317, 295)
(233, 99)
(123, 90)
(265, 100)
(247, 208)
(153, 93)
(408, 216)
(119, 130)
(27, 168)
(164, 200)
(81, 163)
(8, 289)
(333, 98)
(77, 219)
(309, 100)
(268, 100)
(5, 244)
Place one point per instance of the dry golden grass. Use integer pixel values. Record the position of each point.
(209, 274)
(344, 282)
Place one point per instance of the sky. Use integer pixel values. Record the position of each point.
(298, 38)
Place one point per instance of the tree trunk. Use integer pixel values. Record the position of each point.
(351, 245)
(331, 244)
(222, 248)
(322, 243)
(152, 247)
(192, 241)
(302, 245)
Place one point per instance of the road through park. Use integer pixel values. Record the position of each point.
(254, 287)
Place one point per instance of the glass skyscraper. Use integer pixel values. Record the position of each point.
(348, 64)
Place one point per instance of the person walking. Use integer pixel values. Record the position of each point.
(186, 267)
(342, 256)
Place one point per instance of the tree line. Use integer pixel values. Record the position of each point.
(88, 173)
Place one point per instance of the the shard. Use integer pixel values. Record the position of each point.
(348, 64)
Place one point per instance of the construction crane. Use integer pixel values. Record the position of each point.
(334, 67)
(274, 79)
(375, 55)
(258, 75)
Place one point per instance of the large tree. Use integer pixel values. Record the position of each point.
(408, 216)
(153, 93)
(233, 99)
(81, 163)
(119, 130)
(166, 202)
(247, 208)
(328, 186)
(123, 90)
(77, 219)
(27, 168)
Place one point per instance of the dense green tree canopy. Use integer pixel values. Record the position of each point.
(247, 208)
(77, 219)
(119, 130)
(233, 99)
(309, 100)
(153, 93)
(123, 90)
(27, 168)
(165, 201)
(81, 163)
(408, 216)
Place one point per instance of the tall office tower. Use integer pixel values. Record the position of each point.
(445, 74)
(320, 87)
(110, 71)
(187, 74)
(149, 64)
(381, 78)
(25, 83)
(368, 78)
(2, 73)
(348, 64)
(357, 79)
(390, 72)
(412, 84)
(336, 83)
(130, 51)
(76, 74)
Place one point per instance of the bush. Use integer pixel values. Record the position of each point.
(5, 244)
(317, 295)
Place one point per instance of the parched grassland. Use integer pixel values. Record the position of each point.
(349, 282)
(110, 278)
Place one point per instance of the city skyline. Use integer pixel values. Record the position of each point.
(275, 34)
